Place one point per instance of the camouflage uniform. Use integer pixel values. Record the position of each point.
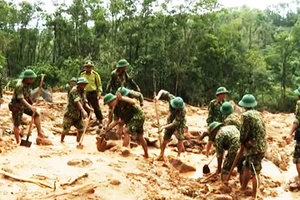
(176, 117)
(296, 156)
(136, 95)
(214, 113)
(253, 135)
(72, 117)
(132, 116)
(117, 80)
(233, 119)
(17, 107)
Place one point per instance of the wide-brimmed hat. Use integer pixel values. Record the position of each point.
(248, 101)
(177, 103)
(109, 98)
(213, 126)
(88, 63)
(226, 108)
(28, 73)
(297, 91)
(82, 80)
(222, 90)
(122, 63)
(73, 79)
(123, 90)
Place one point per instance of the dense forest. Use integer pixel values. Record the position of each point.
(188, 49)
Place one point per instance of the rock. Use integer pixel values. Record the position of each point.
(116, 148)
(125, 152)
(115, 182)
(43, 141)
(111, 144)
(101, 143)
(222, 197)
(80, 162)
(182, 167)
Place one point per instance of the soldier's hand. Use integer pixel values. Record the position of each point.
(138, 89)
(33, 108)
(155, 99)
(289, 139)
(84, 114)
(119, 95)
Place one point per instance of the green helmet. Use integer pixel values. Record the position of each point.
(222, 90)
(122, 63)
(88, 63)
(177, 103)
(109, 98)
(82, 80)
(226, 108)
(124, 91)
(73, 79)
(297, 92)
(248, 101)
(213, 126)
(29, 73)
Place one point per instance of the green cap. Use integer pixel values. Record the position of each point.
(297, 92)
(177, 103)
(212, 126)
(222, 90)
(73, 79)
(109, 98)
(122, 63)
(124, 91)
(82, 80)
(248, 101)
(226, 108)
(88, 63)
(29, 73)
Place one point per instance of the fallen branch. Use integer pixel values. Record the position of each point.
(88, 188)
(73, 180)
(29, 180)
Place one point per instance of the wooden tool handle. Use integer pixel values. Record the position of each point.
(237, 157)
(212, 158)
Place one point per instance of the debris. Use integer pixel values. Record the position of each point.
(43, 141)
(73, 180)
(221, 197)
(111, 144)
(125, 151)
(115, 182)
(88, 188)
(182, 167)
(80, 162)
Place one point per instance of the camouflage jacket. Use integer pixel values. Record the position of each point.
(227, 137)
(176, 117)
(72, 109)
(233, 119)
(126, 111)
(253, 131)
(117, 80)
(297, 113)
(214, 113)
(21, 92)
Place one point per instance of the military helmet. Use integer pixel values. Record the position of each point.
(82, 80)
(29, 73)
(213, 126)
(222, 90)
(88, 63)
(122, 63)
(248, 101)
(226, 108)
(297, 92)
(109, 98)
(73, 79)
(124, 91)
(177, 103)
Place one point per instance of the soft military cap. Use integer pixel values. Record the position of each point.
(248, 101)
(124, 91)
(109, 98)
(29, 73)
(222, 90)
(122, 63)
(82, 80)
(177, 103)
(226, 108)
(297, 92)
(213, 126)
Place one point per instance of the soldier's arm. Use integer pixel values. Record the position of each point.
(109, 85)
(131, 82)
(219, 152)
(111, 125)
(163, 94)
(98, 84)
(297, 119)
(244, 133)
(210, 113)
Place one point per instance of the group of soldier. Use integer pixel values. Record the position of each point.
(243, 136)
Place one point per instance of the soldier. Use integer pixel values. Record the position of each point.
(231, 118)
(125, 108)
(296, 130)
(176, 121)
(73, 83)
(75, 111)
(22, 103)
(253, 140)
(93, 89)
(225, 138)
(119, 77)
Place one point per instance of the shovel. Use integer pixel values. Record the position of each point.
(80, 146)
(206, 169)
(26, 142)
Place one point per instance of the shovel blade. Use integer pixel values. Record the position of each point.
(206, 169)
(25, 143)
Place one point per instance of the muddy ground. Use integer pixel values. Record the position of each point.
(109, 175)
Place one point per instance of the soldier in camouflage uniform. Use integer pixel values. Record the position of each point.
(119, 77)
(75, 111)
(73, 83)
(253, 139)
(231, 118)
(295, 132)
(125, 108)
(176, 121)
(225, 138)
(22, 103)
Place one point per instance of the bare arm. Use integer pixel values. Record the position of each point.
(111, 125)
(160, 93)
(128, 100)
(27, 104)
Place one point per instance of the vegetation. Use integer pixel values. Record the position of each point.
(188, 49)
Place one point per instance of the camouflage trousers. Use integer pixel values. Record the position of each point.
(254, 159)
(17, 115)
(178, 132)
(296, 156)
(136, 125)
(230, 158)
(69, 121)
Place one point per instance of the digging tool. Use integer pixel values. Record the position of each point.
(80, 146)
(157, 119)
(206, 169)
(238, 156)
